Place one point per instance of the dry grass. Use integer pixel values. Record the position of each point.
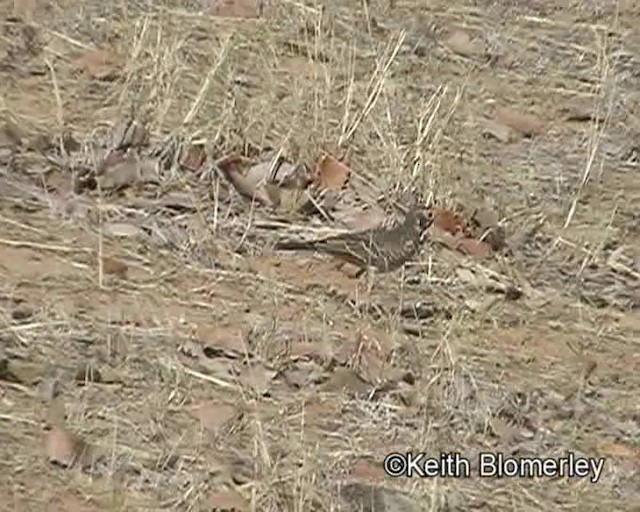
(552, 372)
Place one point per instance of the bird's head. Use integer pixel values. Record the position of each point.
(424, 220)
(425, 217)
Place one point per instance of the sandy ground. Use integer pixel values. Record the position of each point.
(155, 353)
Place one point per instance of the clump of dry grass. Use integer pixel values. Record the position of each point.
(299, 375)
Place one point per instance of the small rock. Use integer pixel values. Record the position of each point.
(527, 124)
(22, 313)
(497, 131)
(459, 42)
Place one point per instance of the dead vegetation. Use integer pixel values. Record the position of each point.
(156, 352)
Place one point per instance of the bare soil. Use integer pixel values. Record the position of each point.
(156, 355)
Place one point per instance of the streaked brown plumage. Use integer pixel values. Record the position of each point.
(386, 247)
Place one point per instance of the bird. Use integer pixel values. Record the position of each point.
(385, 247)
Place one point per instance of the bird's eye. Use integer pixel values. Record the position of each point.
(430, 216)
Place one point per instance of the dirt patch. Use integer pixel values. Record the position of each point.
(150, 158)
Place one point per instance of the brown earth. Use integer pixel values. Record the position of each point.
(156, 357)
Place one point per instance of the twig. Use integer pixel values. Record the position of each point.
(208, 378)
(44, 247)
